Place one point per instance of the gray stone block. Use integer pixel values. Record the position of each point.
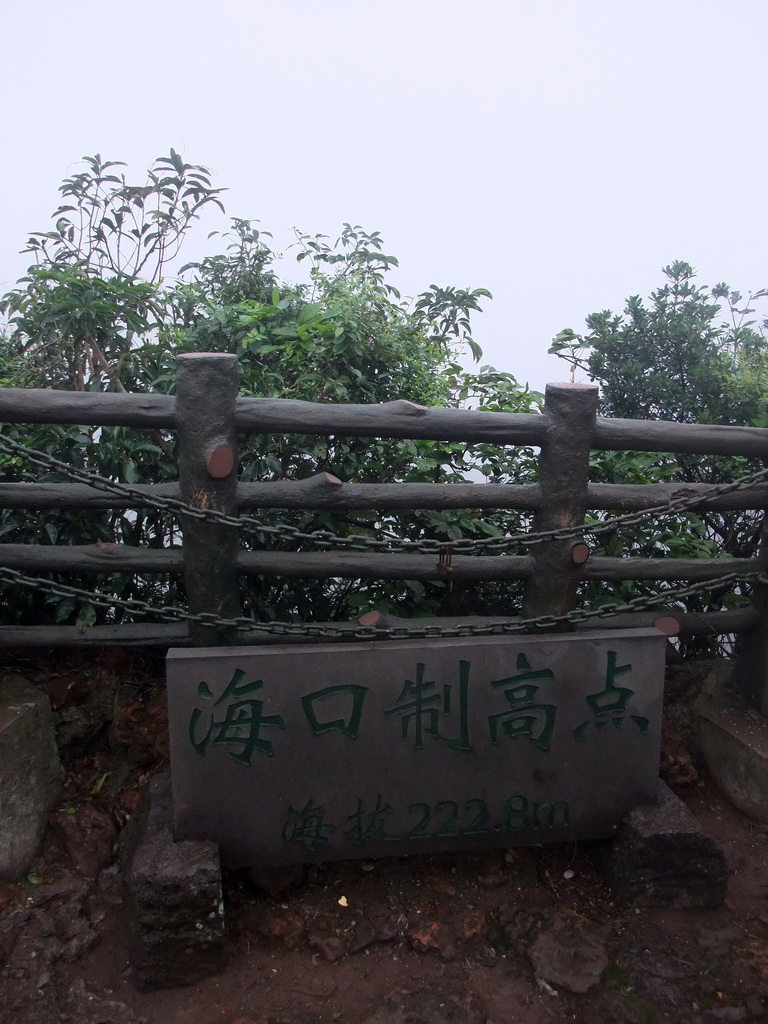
(175, 903)
(733, 740)
(30, 774)
(292, 755)
(662, 857)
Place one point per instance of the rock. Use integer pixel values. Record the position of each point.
(515, 922)
(377, 924)
(470, 925)
(733, 740)
(88, 835)
(30, 774)
(73, 727)
(363, 936)
(384, 922)
(175, 905)
(569, 952)
(433, 935)
(662, 857)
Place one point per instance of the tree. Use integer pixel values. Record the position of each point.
(676, 357)
(94, 285)
(116, 228)
(94, 312)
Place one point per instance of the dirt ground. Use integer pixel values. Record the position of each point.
(456, 938)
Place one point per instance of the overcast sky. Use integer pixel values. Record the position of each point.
(557, 152)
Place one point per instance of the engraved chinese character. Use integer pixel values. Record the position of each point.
(534, 722)
(241, 726)
(368, 825)
(609, 705)
(307, 826)
(348, 725)
(421, 704)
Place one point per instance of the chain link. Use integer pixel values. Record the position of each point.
(167, 613)
(359, 542)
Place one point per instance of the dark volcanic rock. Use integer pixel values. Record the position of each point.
(569, 952)
(662, 857)
(174, 897)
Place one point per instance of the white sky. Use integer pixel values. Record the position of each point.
(558, 152)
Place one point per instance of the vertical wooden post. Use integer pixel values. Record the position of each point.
(207, 387)
(571, 410)
(750, 673)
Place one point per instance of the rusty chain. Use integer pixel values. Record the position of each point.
(359, 542)
(167, 613)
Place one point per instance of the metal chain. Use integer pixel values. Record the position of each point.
(359, 542)
(167, 613)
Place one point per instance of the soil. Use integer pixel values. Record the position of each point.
(524, 936)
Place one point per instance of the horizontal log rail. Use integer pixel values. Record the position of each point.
(141, 634)
(39, 405)
(323, 491)
(687, 623)
(398, 419)
(114, 558)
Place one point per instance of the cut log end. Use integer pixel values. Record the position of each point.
(372, 618)
(580, 553)
(667, 624)
(220, 462)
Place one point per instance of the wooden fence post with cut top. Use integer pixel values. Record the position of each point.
(750, 672)
(207, 388)
(571, 412)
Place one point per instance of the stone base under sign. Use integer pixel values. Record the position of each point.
(733, 739)
(660, 857)
(175, 902)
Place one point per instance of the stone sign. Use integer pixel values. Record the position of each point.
(325, 752)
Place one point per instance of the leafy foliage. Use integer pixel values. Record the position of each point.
(675, 357)
(94, 313)
(75, 329)
(119, 229)
(672, 359)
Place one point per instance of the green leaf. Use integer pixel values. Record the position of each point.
(85, 618)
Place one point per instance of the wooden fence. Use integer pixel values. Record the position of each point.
(208, 414)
